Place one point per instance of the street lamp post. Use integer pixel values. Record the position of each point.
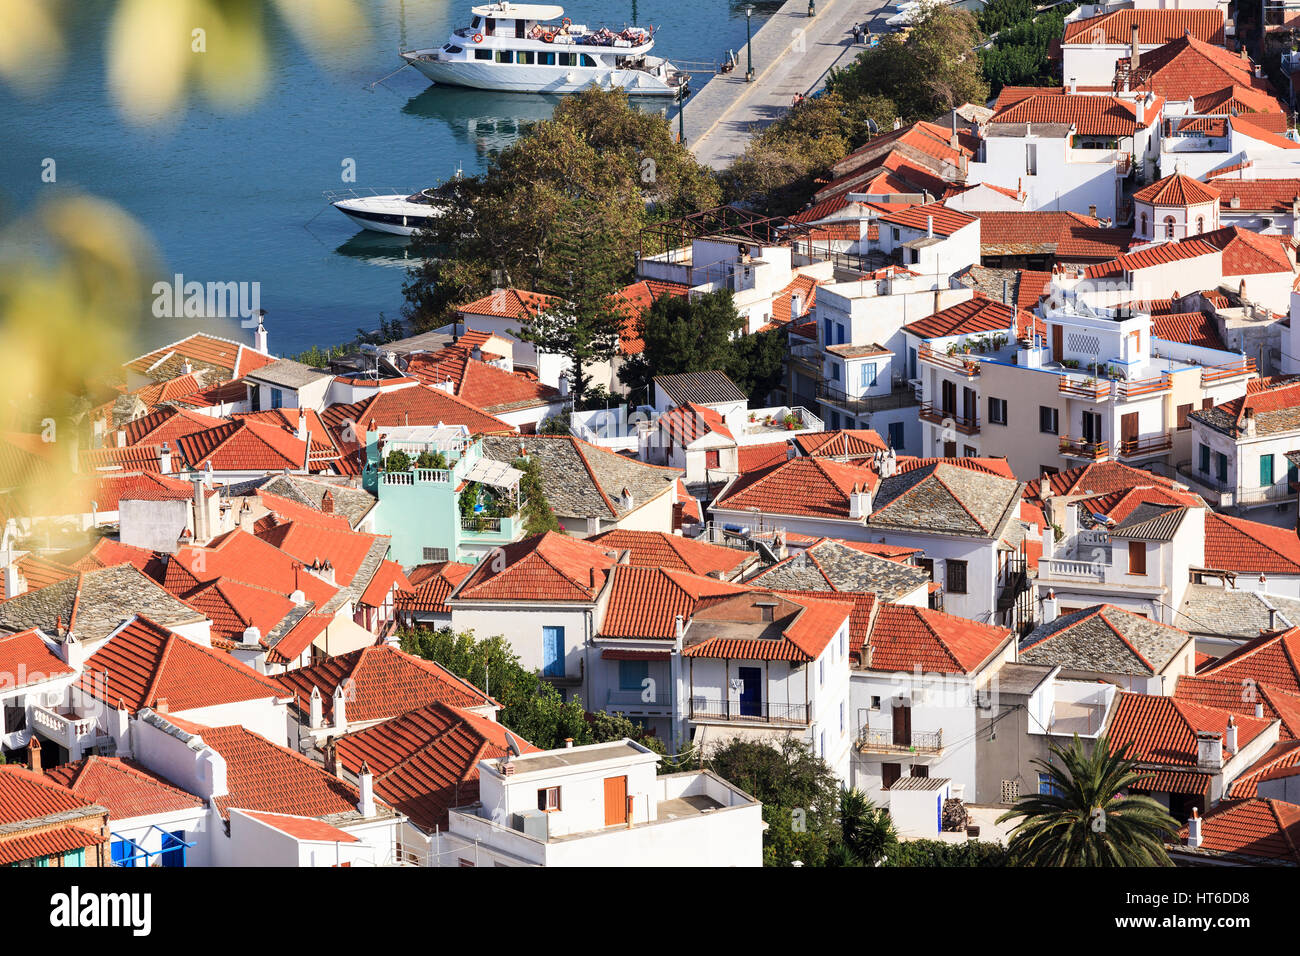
(749, 46)
(681, 116)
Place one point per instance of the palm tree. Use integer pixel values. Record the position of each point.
(866, 829)
(1085, 820)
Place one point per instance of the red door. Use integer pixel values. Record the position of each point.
(1058, 343)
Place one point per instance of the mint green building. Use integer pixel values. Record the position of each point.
(454, 513)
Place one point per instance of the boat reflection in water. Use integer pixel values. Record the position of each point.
(486, 120)
(378, 249)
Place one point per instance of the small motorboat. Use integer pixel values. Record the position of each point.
(398, 214)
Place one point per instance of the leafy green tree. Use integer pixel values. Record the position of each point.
(538, 515)
(531, 707)
(1086, 820)
(757, 363)
(586, 266)
(799, 793)
(606, 727)
(683, 334)
(931, 853)
(397, 460)
(927, 72)
(1003, 13)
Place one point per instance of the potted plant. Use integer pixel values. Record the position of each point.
(952, 348)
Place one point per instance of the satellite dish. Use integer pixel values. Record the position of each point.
(872, 128)
(512, 744)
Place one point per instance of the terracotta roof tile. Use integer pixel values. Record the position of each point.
(817, 487)
(1162, 730)
(1272, 659)
(51, 842)
(26, 659)
(657, 549)
(1268, 829)
(302, 828)
(1177, 190)
(1090, 115)
(1155, 27)
(126, 788)
(903, 638)
(1236, 544)
(547, 567)
(429, 593)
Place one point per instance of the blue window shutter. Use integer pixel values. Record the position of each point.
(553, 651)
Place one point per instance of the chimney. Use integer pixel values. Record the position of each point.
(14, 584)
(1248, 422)
(859, 502)
(1074, 84)
(1259, 710)
(302, 424)
(1006, 296)
(1209, 750)
(200, 510)
(317, 709)
(72, 650)
(1230, 738)
(626, 501)
(121, 438)
(564, 385)
(252, 635)
(1092, 210)
(161, 704)
(1140, 110)
(340, 709)
(476, 353)
(259, 337)
(327, 503)
(1050, 610)
(332, 765)
(796, 305)
(1135, 54)
(34, 755)
(568, 743)
(1194, 829)
(366, 785)
(1044, 488)
(165, 460)
(929, 227)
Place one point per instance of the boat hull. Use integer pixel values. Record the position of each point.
(391, 223)
(537, 79)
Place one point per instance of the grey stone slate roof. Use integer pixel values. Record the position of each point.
(574, 474)
(94, 603)
(1228, 612)
(832, 566)
(288, 373)
(352, 503)
(946, 499)
(1104, 639)
(1150, 522)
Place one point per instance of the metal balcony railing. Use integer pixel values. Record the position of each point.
(871, 740)
(1151, 445)
(1213, 374)
(960, 363)
(762, 711)
(941, 416)
(1080, 448)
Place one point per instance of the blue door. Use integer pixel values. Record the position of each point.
(173, 849)
(553, 651)
(123, 853)
(751, 694)
(896, 435)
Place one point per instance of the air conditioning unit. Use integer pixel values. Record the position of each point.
(533, 823)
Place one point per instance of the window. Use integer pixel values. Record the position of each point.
(875, 702)
(1183, 412)
(1204, 464)
(835, 371)
(173, 849)
(997, 411)
(868, 374)
(767, 612)
(1265, 470)
(841, 717)
(481, 54)
(1031, 159)
(896, 433)
(889, 774)
(567, 59)
(843, 644)
(821, 672)
(546, 59)
(1047, 786)
(956, 574)
(1048, 420)
(525, 57)
(839, 333)
(927, 565)
(277, 398)
(437, 554)
(920, 770)
(1137, 557)
(552, 652)
(632, 675)
(548, 799)
(1200, 225)
(455, 49)
(822, 743)
(1169, 227)
(587, 60)
(505, 56)
(1222, 461)
(1144, 224)
(827, 326)
(969, 451)
(124, 852)
(911, 363)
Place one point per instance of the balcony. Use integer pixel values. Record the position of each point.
(749, 712)
(72, 732)
(961, 363)
(1087, 388)
(900, 396)
(1087, 450)
(1143, 387)
(871, 741)
(941, 416)
(1223, 493)
(483, 527)
(1145, 447)
(1074, 570)
(1217, 374)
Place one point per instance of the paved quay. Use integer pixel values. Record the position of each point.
(792, 54)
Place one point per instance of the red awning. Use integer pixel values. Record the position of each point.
(633, 654)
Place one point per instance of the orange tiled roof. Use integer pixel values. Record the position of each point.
(1247, 253)
(1098, 478)
(1192, 328)
(635, 300)
(817, 487)
(1161, 254)
(126, 788)
(1162, 730)
(1232, 695)
(1257, 828)
(687, 423)
(1186, 66)
(645, 602)
(1272, 195)
(658, 549)
(429, 591)
(903, 637)
(844, 443)
(1272, 659)
(302, 828)
(979, 313)
(128, 457)
(25, 795)
(145, 662)
(1067, 235)
(478, 383)
(1155, 27)
(1177, 190)
(1236, 544)
(232, 357)
(166, 425)
(753, 457)
(945, 221)
(25, 659)
(426, 761)
(508, 303)
(345, 549)
(1282, 756)
(244, 446)
(380, 682)
(547, 567)
(38, 572)
(1090, 115)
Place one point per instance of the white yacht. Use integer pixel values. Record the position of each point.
(394, 213)
(534, 48)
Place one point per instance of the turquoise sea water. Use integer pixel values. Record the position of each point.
(237, 197)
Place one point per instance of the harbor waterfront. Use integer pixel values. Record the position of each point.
(239, 197)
